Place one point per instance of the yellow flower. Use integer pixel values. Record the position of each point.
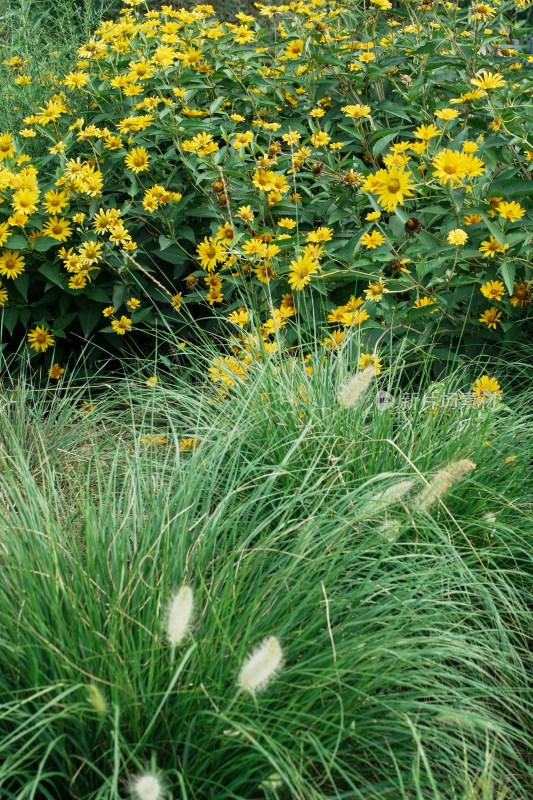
(210, 252)
(137, 159)
(490, 317)
(121, 326)
(488, 80)
(511, 211)
(491, 247)
(357, 111)
(55, 201)
(294, 49)
(457, 237)
(59, 229)
(375, 291)
(486, 388)
(6, 146)
(373, 215)
(319, 139)
(390, 186)
(151, 381)
(108, 311)
(56, 372)
(372, 240)
(239, 317)
(11, 264)
(133, 303)
(40, 339)
(5, 232)
(287, 222)
(447, 114)
(243, 139)
(426, 132)
(450, 165)
(301, 270)
(176, 301)
(320, 235)
(370, 360)
(493, 290)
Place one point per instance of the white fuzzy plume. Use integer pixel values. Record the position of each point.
(353, 390)
(179, 615)
(260, 667)
(443, 480)
(147, 787)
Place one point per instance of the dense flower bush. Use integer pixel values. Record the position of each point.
(325, 169)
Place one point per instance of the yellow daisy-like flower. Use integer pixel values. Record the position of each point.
(320, 235)
(301, 270)
(151, 382)
(370, 360)
(426, 132)
(490, 248)
(6, 146)
(373, 215)
(447, 114)
(122, 325)
(133, 303)
(294, 49)
(243, 139)
(356, 111)
(486, 388)
(210, 252)
(287, 222)
(11, 264)
(457, 237)
(375, 291)
(108, 311)
(59, 229)
(488, 80)
(511, 211)
(55, 372)
(137, 159)
(493, 290)
(450, 165)
(176, 301)
(391, 186)
(491, 317)
(40, 339)
(372, 240)
(55, 201)
(5, 232)
(4, 297)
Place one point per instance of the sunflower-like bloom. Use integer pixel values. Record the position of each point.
(210, 252)
(493, 290)
(391, 186)
(372, 240)
(521, 295)
(491, 247)
(40, 338)
(491, 317)
(11, 264)
(301, 270)
(59, 229)
(137, 159)
(450, 165)
(511, 211)
(486, 388)
(488, 80)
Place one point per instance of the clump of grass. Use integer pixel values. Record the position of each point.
(406, 670)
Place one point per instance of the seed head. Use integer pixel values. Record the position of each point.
(260, 667)
(147, 787)
(179, 615)
(443, 480)
(353, 390)
(97, 700)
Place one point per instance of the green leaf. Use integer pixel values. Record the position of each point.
(16, 242)
(516, 187)
(382, 143)
(53, 273)
(44, 243)
(507, 271)
(9, 319)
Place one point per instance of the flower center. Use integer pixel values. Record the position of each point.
(393, 185)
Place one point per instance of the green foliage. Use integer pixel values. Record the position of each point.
(405, 636)
(240, 163)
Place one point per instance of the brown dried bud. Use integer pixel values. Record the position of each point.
(191, 282)
(317, 169)
(222, 200)
(412, 226)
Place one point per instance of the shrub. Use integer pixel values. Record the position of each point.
(325, 170)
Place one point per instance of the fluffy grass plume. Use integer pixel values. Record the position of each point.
(261, 666)
(179, 616)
